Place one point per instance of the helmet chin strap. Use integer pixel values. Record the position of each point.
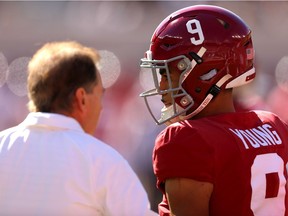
(243, 79)
(213, 92)
(167, 112)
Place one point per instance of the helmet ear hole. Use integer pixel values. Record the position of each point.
(198, 90)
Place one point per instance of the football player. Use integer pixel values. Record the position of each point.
(210, 159)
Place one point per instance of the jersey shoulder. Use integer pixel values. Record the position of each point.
(181, 151)
(269, 116)
(177, 133)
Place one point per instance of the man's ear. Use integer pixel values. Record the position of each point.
(80, 99)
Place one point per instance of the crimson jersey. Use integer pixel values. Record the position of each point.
(244, 155)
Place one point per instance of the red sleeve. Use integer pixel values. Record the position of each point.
(182, 152)
(163, 207)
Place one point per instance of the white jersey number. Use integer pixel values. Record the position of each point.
(194, 27)
(263, 166)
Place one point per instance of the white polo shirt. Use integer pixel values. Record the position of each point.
(50, 166)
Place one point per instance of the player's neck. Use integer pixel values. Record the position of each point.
(223, 103)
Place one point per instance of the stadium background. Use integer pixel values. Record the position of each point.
(122, 30)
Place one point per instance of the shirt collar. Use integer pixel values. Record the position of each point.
(51, 120)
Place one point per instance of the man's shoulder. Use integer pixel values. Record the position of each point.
(7, 132)
(179, 132)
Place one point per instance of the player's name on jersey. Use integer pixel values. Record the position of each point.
(260, 136)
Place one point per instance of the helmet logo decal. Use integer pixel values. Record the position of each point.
(250, 53)
(194, 27)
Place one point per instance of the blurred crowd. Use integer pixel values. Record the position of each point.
(124, 28)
